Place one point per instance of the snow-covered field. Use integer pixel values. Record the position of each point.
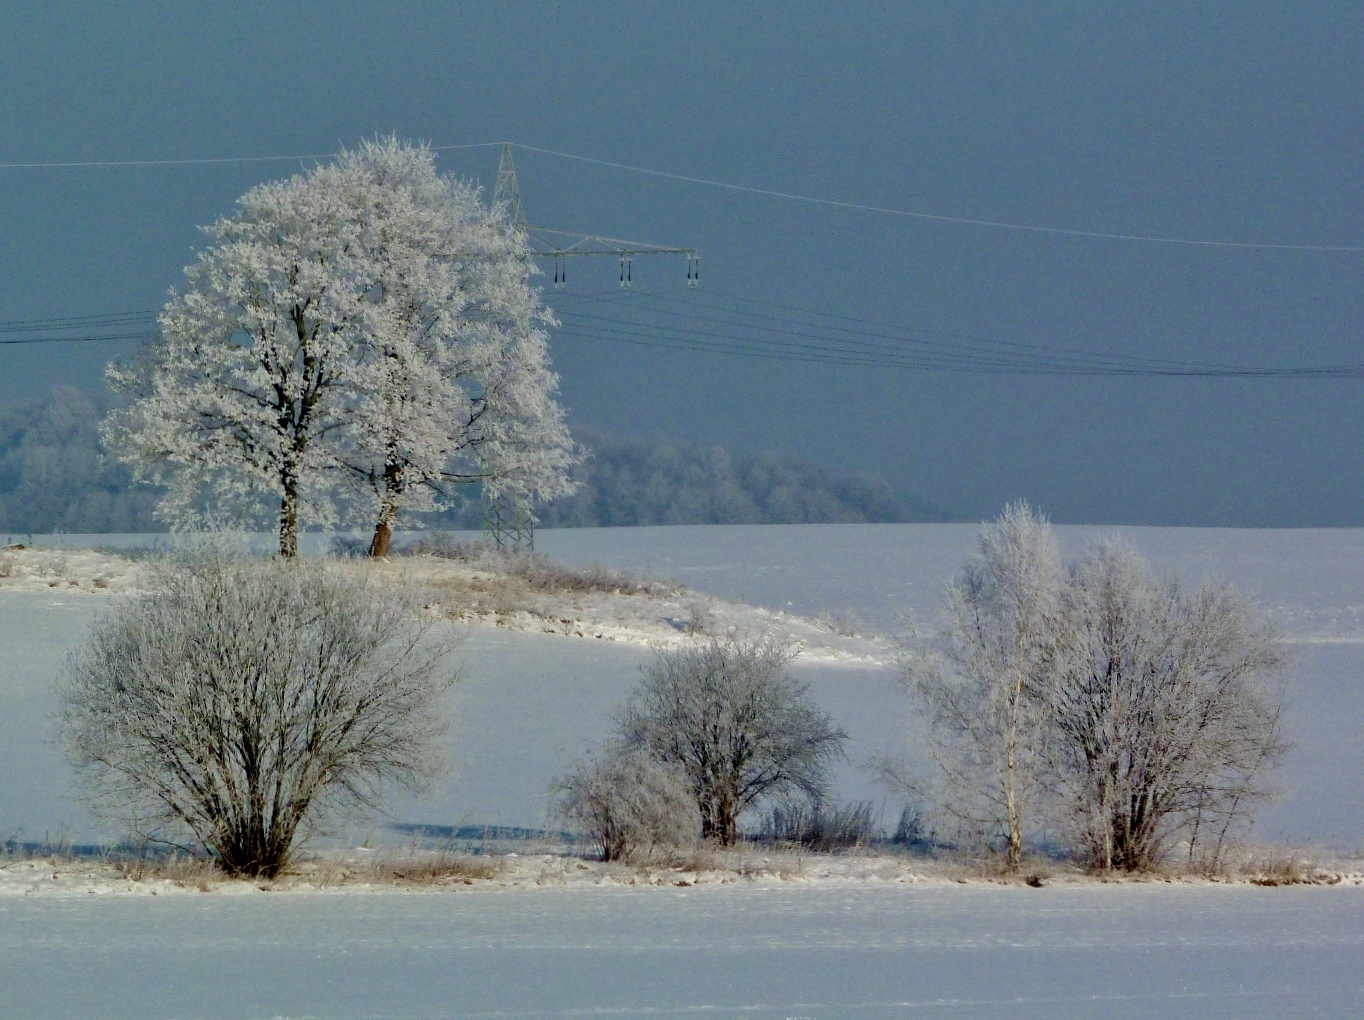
(844, 946)
(529, 700)
(873, 951)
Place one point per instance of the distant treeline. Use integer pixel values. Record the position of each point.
(54, 477)
(651, 481)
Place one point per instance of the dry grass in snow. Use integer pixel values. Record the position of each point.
(477, 586)
(435, 871)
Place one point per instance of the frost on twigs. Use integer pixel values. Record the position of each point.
(1134, 718)
(239, 703)
(1167, 713)
(729, 714)
(628, 804)
(354, 340)
(982, 686)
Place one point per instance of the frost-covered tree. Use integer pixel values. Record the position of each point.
(352, 339)
(239, 400)
(453, 383)
(733, 718)
(1167, 713)
(985, 689)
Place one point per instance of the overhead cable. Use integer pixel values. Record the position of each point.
(790, 196)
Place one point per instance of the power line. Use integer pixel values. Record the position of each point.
(81, 323)
(75, 339)
(901, 336)
(782, 337)
(789, 196)
(756, 349)
(790, 339)
(112, 163)
(940, 217)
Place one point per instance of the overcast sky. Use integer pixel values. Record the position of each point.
(1235, 122)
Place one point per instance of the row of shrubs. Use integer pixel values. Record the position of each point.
(240, 703)
(1089, 708)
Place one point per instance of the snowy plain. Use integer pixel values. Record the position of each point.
(865, 952)
(870, 949)
(528, 702)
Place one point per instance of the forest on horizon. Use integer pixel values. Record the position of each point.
(54, 476)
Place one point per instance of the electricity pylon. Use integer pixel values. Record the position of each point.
(509, 519)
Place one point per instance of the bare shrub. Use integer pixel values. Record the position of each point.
(730, 715)
(700, 619)
(241, 702)
(628, 803)
(817, 827)
(1167, 713)
(984, 687)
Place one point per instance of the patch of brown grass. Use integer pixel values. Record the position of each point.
(410, 867)
(182, 869)
(537, 572)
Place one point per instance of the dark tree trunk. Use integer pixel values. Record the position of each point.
(288, 521)
(388, 511)
(383, 534)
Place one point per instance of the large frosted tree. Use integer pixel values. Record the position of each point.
(454, 378)
(352, 341)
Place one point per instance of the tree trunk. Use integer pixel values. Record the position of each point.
(288, 520)
(1014, 854)
(383, 534)
(388, 510)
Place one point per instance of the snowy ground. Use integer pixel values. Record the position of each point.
(537, 942)
(658, 615)
(825, 953)
(540, 864)
(529, 700)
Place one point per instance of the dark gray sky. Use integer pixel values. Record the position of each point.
(1234, 121)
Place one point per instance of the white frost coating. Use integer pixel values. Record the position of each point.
(352, 338)
(453, 379)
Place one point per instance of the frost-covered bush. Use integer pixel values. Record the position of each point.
(1167, 712)
(240, 702)
(628, 803)
(733, 718)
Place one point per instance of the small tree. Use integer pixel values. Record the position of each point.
(628, 803)
(732, 717)
(242, 701)
(985, 689)
(1166, 711)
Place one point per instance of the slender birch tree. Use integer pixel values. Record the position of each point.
(984, 688)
